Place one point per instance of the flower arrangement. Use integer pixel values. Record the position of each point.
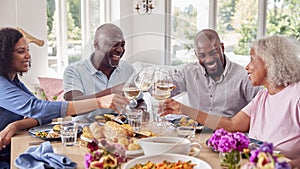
(264, 158)
(230, 145)
(106, 156)
(224, 141)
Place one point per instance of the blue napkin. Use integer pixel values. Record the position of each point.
(42, 156)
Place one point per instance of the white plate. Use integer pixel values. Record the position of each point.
(134, 152)
(200, 164)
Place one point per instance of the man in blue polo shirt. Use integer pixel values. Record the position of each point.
(102, 73)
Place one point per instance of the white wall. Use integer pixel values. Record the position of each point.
(144, 34)
(31, 16)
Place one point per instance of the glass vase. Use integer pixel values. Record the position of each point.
(230, 160)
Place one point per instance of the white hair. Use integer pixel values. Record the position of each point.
(282, 59)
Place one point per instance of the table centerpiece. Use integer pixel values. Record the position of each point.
(229, 145)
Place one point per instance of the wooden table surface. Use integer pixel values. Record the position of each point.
(21, 142)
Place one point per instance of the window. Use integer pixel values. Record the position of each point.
(283, 18)
(71, 26)
(187, 17)
(237, 28)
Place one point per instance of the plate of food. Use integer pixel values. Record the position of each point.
(48, 132)
(168, 160)
(103, 118)
(184, 121)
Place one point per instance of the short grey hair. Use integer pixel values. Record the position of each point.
(282, 59)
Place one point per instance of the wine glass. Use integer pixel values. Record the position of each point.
(160, 91)
(132, 90)
(162, 85)
(144, 78)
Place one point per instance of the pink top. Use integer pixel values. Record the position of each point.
(276, 119)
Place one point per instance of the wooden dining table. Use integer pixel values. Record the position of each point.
(23, 140)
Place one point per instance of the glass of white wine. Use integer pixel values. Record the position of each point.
(132, 90)
(162, 86)
(160, 91)
(144, 78)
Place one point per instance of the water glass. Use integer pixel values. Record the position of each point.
(135, 118)
(68, 133)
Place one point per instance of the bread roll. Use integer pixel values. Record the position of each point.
(113, 131)
(96, 130)
(86, 132)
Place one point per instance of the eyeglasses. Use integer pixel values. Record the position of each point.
(212, 53)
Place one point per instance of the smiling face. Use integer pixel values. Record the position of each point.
(110, 45)
(21, 57)
(256, 69)
(210, 55)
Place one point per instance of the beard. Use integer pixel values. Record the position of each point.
(215, 73)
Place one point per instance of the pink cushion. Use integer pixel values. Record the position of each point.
(52, 87)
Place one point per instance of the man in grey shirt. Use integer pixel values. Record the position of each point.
(214, 84)
(102, 73)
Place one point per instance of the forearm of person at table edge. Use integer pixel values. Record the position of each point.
(240, 122)
(11, 128)
(22, 124)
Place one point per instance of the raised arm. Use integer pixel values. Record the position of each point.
(240, 122)
(113, 101)
(78, 95)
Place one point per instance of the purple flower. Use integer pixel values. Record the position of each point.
(224, 141)
(254, 156)
(264, 156)
(282, 165)
(242, 141)
(266, 147)
(88, 159)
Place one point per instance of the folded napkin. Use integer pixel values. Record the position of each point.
(42, 156)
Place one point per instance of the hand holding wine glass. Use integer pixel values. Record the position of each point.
(162, 86)
(160, 91)
(132, 90)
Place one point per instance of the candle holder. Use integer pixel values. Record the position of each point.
(145, 7)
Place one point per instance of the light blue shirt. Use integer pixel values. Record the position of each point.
(84, 77)
(17, 102)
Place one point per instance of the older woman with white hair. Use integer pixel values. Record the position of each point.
(274, 114)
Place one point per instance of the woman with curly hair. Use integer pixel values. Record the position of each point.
(274, 114)
(17, 102)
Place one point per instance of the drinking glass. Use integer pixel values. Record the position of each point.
(134, 117)
(160, 90)
(132, 90)
(68, 132)
(144, 78)
(162, 86)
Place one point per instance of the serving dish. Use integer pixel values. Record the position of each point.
(48, 128)
(200, 164)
